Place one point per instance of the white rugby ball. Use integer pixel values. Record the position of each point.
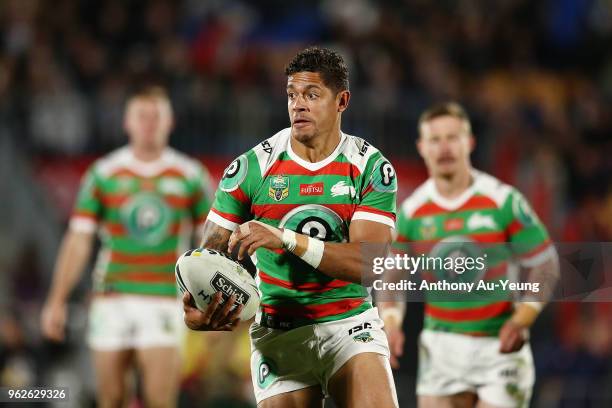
(204, 272)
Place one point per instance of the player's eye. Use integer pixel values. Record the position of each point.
(312, 96)
(452, 137)
(290, 95)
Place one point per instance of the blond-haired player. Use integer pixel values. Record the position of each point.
(144, 200)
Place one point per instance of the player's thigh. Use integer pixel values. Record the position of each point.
(484, 404)
(506, 379)
(111, 375)
(160, 369)
(310, 397)
(365, 380)
(460, 400)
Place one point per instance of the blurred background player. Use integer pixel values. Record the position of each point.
(471, 352)
(145, 199)
(302, 203)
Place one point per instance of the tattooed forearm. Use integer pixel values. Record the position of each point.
(215, 237)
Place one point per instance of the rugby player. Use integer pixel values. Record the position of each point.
(145, 200)
(472, 352)
(301, 204)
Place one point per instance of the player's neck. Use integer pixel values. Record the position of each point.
(317, 149)
(146, 154)
(454, 185)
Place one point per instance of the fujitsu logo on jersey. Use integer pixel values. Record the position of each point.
(229, 288)
(311, 189)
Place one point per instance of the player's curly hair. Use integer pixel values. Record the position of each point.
(329, 64)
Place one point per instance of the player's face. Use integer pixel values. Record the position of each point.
(314, 108)
(445, 144)
(148, 122)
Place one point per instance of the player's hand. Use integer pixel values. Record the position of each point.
(396, 338)
(512, 336)
(53, 321)
(216, 317)
(252, 235)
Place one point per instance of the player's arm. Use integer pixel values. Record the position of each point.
(512, 334)
(216, 317)
(73, 255)
(344, 261)
(539, 259)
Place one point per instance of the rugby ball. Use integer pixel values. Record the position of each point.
(204, 272)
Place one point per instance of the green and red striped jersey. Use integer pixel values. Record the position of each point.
(488, 212)
(271, 184)
(145, 213)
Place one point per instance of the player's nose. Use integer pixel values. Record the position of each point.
(299, 105)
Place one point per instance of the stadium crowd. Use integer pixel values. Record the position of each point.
(535, 76)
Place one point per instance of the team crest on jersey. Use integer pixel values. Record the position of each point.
(428, 228)
(147, 218)
(363, 338)
(279, 188)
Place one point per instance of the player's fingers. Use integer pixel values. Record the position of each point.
(219, 319)
(261, 242)
(394, 362)
(233, 240)
(230, 326)
(234, 315)
(399, 345)
(508, 343)
(245, 245)
(212, 308)
(188, 303)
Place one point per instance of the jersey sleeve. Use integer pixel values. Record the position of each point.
(88, 208)
(202, 195)
(528, 237)
(378, 192)
(402, 228)
(231, 206)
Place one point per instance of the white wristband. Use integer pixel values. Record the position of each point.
(289, 239)
(314, 252)
(537, 306)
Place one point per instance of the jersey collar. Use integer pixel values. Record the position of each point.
(146, 168)
(316, 165)
(454, 203)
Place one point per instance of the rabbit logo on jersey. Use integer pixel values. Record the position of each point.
(147, 218)
(316, 221)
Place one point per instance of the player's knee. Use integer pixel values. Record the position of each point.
(111, 393)
(160, 397)
(112, 399)
(160, 401)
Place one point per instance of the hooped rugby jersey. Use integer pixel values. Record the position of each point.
(145, 213)
(271, 184)
(489, 212)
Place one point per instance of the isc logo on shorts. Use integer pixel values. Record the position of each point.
(366, 325)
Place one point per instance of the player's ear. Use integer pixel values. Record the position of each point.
(343, 98)
(472, 143)
(419, 146)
